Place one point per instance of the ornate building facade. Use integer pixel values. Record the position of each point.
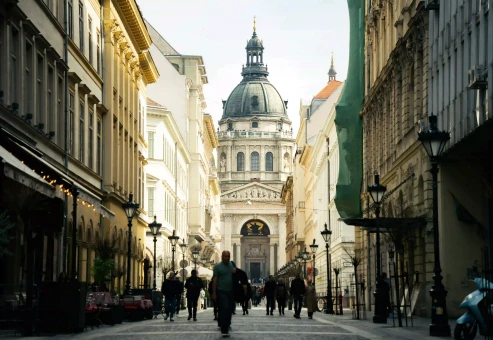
(255, 158)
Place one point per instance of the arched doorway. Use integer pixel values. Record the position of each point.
(255, 243)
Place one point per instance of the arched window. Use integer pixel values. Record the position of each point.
(240, 161)
(269, 163)
(254, 161)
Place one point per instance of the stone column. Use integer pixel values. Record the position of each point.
(271, 257)
(247, 158)
(229, 160)
(281, 254)
(238, 253)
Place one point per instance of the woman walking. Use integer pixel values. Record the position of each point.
(310, 299)
(281, 295)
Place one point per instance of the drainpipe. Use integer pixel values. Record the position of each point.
(65, 158)
(101, 11)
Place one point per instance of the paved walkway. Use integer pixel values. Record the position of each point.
(257, 325)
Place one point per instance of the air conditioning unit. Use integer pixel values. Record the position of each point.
(432, 5)
(478, 77)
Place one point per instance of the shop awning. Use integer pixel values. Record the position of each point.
(15, 169)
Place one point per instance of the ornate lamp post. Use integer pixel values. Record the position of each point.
(434, 142)
(183, 247)
(195, 255)
(173, 239)
(376, 192)
(327, 234)
(338, 302)
(299, 259)
(130, 208)
(313, 248)
(154, 226)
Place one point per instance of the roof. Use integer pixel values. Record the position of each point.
(153, 103)
(328, 89)
(159, 41)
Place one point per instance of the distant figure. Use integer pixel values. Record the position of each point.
(270, 295)
(194, 286)
(222, 291)
(171, 288)
(281, 296)
(202, 299)
(310, 299)
(297, 290)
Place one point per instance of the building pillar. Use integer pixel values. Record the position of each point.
(238, 253)
(271, 257)
(247, 158)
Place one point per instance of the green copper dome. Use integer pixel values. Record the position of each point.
(255, 95)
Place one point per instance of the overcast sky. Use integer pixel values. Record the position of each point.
(298, 37)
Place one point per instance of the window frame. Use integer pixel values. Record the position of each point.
(82, 107)
(39, 87)
(151, 145)
(89, 40)
(70, 19)
(71, 122)
(240, 161)
(81, 26)
(29, 77)
(15, 39)
(99, 140)
(91, 137)
(254, 161)
(269, 161)
(98, 51)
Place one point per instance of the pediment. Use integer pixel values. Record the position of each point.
(252, 191)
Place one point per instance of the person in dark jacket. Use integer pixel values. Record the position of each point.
(214, 304)
(248, 296)
(193, 285)
(270, 294)
(297, 291)
(171, 288)
(178, 296)
(281, 296)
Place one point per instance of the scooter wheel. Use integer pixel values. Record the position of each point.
(465, 331)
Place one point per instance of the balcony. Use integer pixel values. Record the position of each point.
(198, 232)
(255, 134)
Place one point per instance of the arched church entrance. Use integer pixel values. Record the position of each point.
(255, 245)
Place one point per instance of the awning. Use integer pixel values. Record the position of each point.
(385, 223)
(19, 172)
(35, 162)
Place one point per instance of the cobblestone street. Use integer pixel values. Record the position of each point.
(257, 325)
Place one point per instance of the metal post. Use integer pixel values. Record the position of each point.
(75, 195)
(183, 280)
(313, 269)
(330, 306)
(380, 313)
(173, 258)
(439, 319)
(155, 265)
(128, 290)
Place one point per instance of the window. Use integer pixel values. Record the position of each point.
(254, 125)
(28, 97)
(254, 161)
(71, 114)
(51, 100)
(240, 161)
(269, 163)
(81, 26)
(98, 51)
(150, 201)
(39, 89)
(230, 126)
(70, 21)
(60, 111)
(81, 132)
(150, 141)
(91, 143)
(98, 146)
(14, 67)
(89, 34)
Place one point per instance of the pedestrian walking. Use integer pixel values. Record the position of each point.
(214, 303)
(222, 291)
(171, 288)
(270, 295)
(248, 296)
(179, 295)
(297, 290)
(202, 298)
(281, 296)
(310, 299)
(194, 287)
(240, 286)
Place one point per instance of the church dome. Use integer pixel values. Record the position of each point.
(254, 95)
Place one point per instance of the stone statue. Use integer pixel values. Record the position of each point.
(254, 193)
(286, 163)
(223, 164)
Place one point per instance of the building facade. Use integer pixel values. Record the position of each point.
(460, 92)
(128, 69)
(255, 158)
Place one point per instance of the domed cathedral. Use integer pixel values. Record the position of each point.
(255, 158)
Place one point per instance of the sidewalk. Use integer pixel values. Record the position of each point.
(419, 330)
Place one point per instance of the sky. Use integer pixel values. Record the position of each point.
(298, 38)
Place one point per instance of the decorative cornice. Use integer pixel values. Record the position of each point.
(135, 23)
(148, 67)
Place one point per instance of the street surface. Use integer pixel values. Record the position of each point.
(257, 325)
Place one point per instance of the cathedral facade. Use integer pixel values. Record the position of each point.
(255, 157)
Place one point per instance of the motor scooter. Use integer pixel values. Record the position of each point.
(479, 312)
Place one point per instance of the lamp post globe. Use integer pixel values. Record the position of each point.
(195, 255)
(434, 142)
(130, 208)
(313, 248)
(173, 239)
(183, 247)
(154, 226)
(327, 235)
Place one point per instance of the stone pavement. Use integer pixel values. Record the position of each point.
(257, 325)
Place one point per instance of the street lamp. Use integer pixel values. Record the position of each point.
(306, 257)
(154, 226)
(173, 239)
(183, 247)
(376, 192)
(434, 142)
(195, 255)
(327, 234)
(130, 208)
(313, 248)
